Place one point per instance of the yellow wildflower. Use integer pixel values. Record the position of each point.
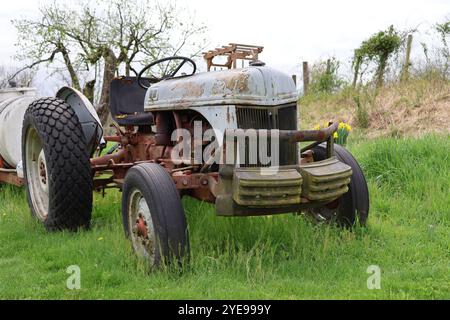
(335, 135)
(345, 126)
(349, 128)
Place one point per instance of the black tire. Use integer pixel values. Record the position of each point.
(170, 233)
(354, 203)
(68, 170)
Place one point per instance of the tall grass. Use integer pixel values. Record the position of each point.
(285, 256)
(411, 108)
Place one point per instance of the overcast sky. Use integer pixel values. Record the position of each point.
(290, 31)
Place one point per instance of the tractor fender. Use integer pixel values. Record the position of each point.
(85, 111)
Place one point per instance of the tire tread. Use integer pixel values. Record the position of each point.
(68, 164)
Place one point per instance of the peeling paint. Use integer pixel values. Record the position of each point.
(237, 83)
(191, 89)
(260, 86)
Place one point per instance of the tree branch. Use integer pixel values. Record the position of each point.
(49, 59)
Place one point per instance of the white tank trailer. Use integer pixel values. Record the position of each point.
(13, 104)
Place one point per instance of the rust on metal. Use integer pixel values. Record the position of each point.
(240, 192)
(42, 172)
(188, 180)
(294, 135)
(9, 175)
(309, 135)
(307, 157)
(194, 89)
(237, 83)
(141, 227)
(11, 178)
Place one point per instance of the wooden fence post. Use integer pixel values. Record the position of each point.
(305, 77)
(405, 72)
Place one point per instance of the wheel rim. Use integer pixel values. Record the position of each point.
(37, 174)
(141, 226)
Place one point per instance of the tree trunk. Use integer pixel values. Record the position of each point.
(88, 90)
(380, 72)
(127, 69)
(356, 72)
(70, 68)
(109, 73)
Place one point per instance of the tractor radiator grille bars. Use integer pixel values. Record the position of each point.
(280, 117)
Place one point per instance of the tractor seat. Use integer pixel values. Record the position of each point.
(137, 119)
(126, 102)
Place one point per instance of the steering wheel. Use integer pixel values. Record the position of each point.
(172, 74)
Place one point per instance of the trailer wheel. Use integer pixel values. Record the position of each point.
(153, 216)
(56, 166)
(354, 203)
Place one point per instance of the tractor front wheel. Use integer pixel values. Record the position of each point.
(153, 216)
(353, 204)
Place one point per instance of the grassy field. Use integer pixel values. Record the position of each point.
(280, 257)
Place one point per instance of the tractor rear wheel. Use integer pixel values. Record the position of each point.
(56, 166)
(353, 204)
(153, 216)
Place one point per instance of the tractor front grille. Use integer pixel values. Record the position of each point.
(282, 117)
(281, 187)
(325, 180)
(257, 118)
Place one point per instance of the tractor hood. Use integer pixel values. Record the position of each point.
(260, 86)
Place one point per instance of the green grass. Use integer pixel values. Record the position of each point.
(279, 257)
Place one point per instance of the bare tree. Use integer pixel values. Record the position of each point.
(105, 35)
(23, 79)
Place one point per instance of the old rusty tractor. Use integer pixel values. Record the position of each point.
(227, 137)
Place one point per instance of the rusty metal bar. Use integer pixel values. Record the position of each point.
(330, 146)
(295, 135)
(117, 157)
(308, 135)
(113, 139)
(193, 181)
(11, 178)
